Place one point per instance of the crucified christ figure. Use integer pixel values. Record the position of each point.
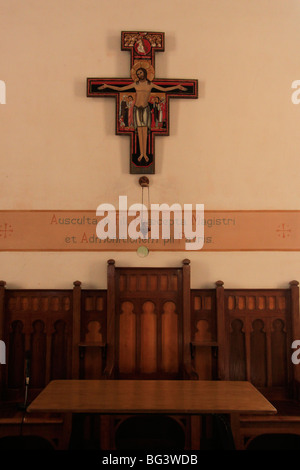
(141, 110)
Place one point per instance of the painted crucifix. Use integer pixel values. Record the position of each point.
(142, 102)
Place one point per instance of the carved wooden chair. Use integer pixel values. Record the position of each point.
(148, 329)
(260, 326)
(37, 327)
(148, 333)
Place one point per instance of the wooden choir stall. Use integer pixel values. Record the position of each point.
(149, 332)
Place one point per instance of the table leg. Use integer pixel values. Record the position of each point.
(66, 432)
(195, 432)
(105, 433)
(235, 428)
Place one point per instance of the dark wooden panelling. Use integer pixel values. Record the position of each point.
(204, 332)
(59, 351)
(260, 326)
(149, 324)
(16, 355)
(146, 336)
(93, 333)
(148, 333)
(38, 323)
(237, 363)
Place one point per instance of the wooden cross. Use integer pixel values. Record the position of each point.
(142, 102)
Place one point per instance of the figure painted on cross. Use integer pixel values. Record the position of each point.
(143, 85)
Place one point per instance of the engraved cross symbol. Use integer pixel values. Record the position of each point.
(142, 101)
(6, 231)
(283, 231)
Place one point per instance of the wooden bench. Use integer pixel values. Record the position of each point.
(63, 332)
(246, 334)
(14, 422)
(287, 421)
(223, 334)
(261, 326)
(36, 325)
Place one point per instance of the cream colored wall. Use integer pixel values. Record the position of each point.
(236, 147)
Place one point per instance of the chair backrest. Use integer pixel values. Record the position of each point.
(260, 327)
(37, 331)
(148, 332)
(246, 334)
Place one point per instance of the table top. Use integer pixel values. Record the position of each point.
(151, 396)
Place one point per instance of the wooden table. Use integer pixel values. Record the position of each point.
(175, 397)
